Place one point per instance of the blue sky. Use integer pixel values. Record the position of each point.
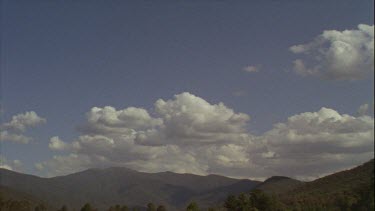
(61, 58)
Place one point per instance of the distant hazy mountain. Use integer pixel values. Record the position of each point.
(106, 187)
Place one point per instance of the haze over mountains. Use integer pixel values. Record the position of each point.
(106, 187)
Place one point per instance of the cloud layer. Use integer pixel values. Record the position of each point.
(187, 134)
(338, 55)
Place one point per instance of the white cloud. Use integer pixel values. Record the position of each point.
(189, 119)
(18, 138)
(190, 135)
(5, 166)
(108, 120)
(14, 129)
(55, 143)
(251, 68)
(20, 122)
(314, 142)
(13, 165)
(366, 109)
(179, 137)
(338, 55)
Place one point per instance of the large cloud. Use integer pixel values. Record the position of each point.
(189, 119)
(189, 135)
(317, 142)
(338, 55)
(14, 129)
(184, 132)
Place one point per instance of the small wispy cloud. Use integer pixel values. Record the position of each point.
(239, 93)
(251, 68)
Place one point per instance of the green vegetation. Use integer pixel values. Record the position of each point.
(192, 207)
(253, 201)
(161, 208)
(19, 205)
(344, 191)
(151, 207)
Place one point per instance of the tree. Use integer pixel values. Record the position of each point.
(192, 207)
(244, 201)
(124, 208)
(40, 207)
(161, 208)
(151, 207)
(63, 208)
(87, 207)
(262, 201)
(231, 203)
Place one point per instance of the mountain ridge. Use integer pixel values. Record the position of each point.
(117, 185)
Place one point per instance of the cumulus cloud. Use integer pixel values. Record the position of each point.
(55, 143)
(189, 119)
(184, 130)
(316, 142)
(108, 120)
(187, 134)
(18, 138)
(338, 55)
(251, 68)
(20, 122)
(15, 128)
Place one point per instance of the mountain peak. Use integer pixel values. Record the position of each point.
(277, 178)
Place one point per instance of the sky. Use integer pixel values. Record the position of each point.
(246, 89)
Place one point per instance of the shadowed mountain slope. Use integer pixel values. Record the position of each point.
(346, 190)
(278, 184)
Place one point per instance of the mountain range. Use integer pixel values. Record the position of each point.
(106, 187)
(111, 186)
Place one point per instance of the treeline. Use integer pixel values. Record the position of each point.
(356, 200)
(256, 200)
(22, 205)
(150, 207)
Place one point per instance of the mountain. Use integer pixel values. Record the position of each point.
(106, 187)
(279, 184)
(346, 190)
(11, 199)
(352, 189)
